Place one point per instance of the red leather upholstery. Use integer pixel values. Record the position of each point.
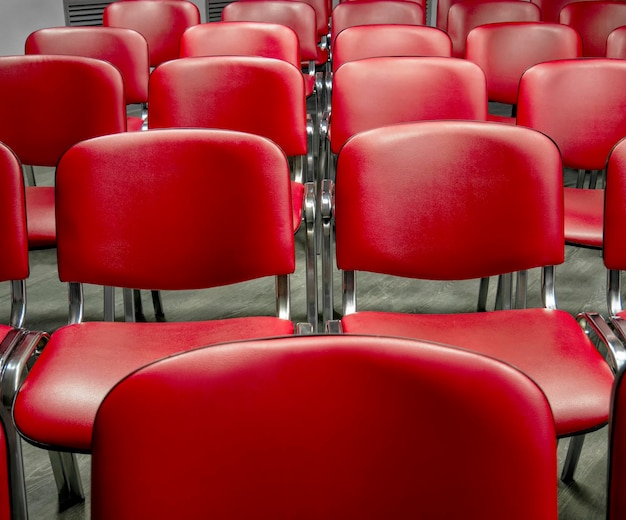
(161, 23)
(370, 41)
(298, 16)
(616, 501)
(594, 21)
(616, 43)
(71, 82)
(464, 16)
(241, 38)
(584, 216)
(614, 253)
(13, 238)
(349, 14)
(453, 200)
(550, 9)
(578, 103)
(5, 484)
(124, 48)
(409, 89)
(41, 222)
(270, 441)
(228, 92)
(108, 191)
(83, 98)
(322, 15)
(505, 50)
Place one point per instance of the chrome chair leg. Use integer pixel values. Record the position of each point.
(67, 477)
(571, 460)
(109, 303)
(483, 291)
(157, 303)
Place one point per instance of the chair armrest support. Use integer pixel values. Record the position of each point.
(604, 338)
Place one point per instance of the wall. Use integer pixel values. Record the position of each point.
(18, 18)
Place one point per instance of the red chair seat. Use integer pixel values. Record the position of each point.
(134, 124)
(501, 119)
(96, 355)
(297, 196)
(309, 84)
(511, 337)
(584, 215)
(4, 330)
(40, 216)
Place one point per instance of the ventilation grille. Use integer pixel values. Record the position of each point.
(214, 9)
(84, 12)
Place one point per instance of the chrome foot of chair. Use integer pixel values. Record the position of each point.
(157, 303)
(571, 460)
(67, 477)
(159, 314)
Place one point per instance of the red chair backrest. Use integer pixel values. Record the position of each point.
(206, 186)
(241, 39)
(263, 96)
(594, 21)
(82, 98)
(349, 14)
(298, 16)
(550, 9)
(616, 501)
(403, 89)
(161, 23)
(13, 235)
(579, 103)
(370, 41)
(272, 442)
(413, 199)
(614, 249)
(616, 43)
(5, 484)
(322, 14)
(124, 48)
(464, 16)
(505, 50)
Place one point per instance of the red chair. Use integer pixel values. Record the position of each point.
(581, 105)
(616, 503)
(410, 89)
(241, 39)
(262, 96)
(322, 23)
(406, 88)
(301, 18)
(14, 339)
(271, 442)
(485, 200)
(84, 98)
(124, 48)
(189, 177)
(127, 50)
(616, 43)
(378, 40)
(161, 23)
(349, 14)
(613, 245)
(550, 9)
(464, 16)
(594, 21)
(505, 50)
